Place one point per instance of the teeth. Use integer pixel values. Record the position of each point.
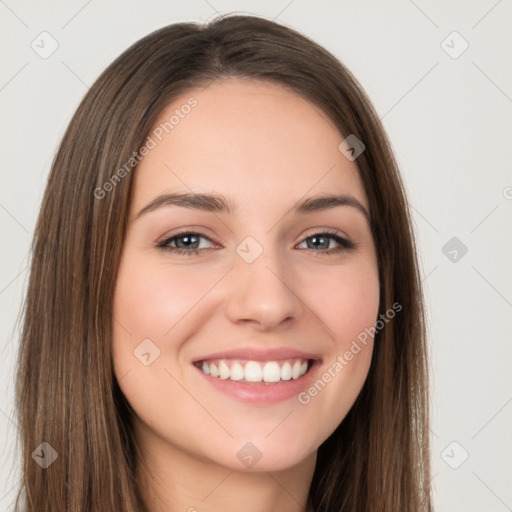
(223, 370)
(237, 372)
(271, 372)
(256, 371)
(295, 370)
(214, 372)
(253, 372)
(286, 371)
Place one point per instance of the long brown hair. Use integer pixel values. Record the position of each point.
(67, 394)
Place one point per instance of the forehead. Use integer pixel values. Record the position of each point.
(250, 140)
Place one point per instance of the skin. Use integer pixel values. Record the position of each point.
(265, 148)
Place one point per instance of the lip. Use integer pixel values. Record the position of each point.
(259, 392)
(258, 354)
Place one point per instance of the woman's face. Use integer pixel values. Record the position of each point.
(222, 304)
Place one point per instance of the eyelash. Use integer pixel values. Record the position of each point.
(344, 244)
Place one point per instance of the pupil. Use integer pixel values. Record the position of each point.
(315, 239)
(187, 240)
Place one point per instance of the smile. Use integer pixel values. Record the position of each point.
(267, 372)
(257, 375)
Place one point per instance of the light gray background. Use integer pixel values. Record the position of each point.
(449, 120)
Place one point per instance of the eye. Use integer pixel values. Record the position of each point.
(323, 241)
(187, 243)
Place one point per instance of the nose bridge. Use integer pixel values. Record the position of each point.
(262, 285)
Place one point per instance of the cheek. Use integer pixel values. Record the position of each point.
(163, 304)
(348, 304)
(151, 300)
(346, 300)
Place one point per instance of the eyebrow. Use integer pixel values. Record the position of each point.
(217, 203)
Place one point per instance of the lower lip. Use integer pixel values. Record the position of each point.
(259, 392)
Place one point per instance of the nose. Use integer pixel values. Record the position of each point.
(262, 292)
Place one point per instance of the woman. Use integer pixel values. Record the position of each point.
(224, 308)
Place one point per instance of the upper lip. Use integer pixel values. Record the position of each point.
(259, 354)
